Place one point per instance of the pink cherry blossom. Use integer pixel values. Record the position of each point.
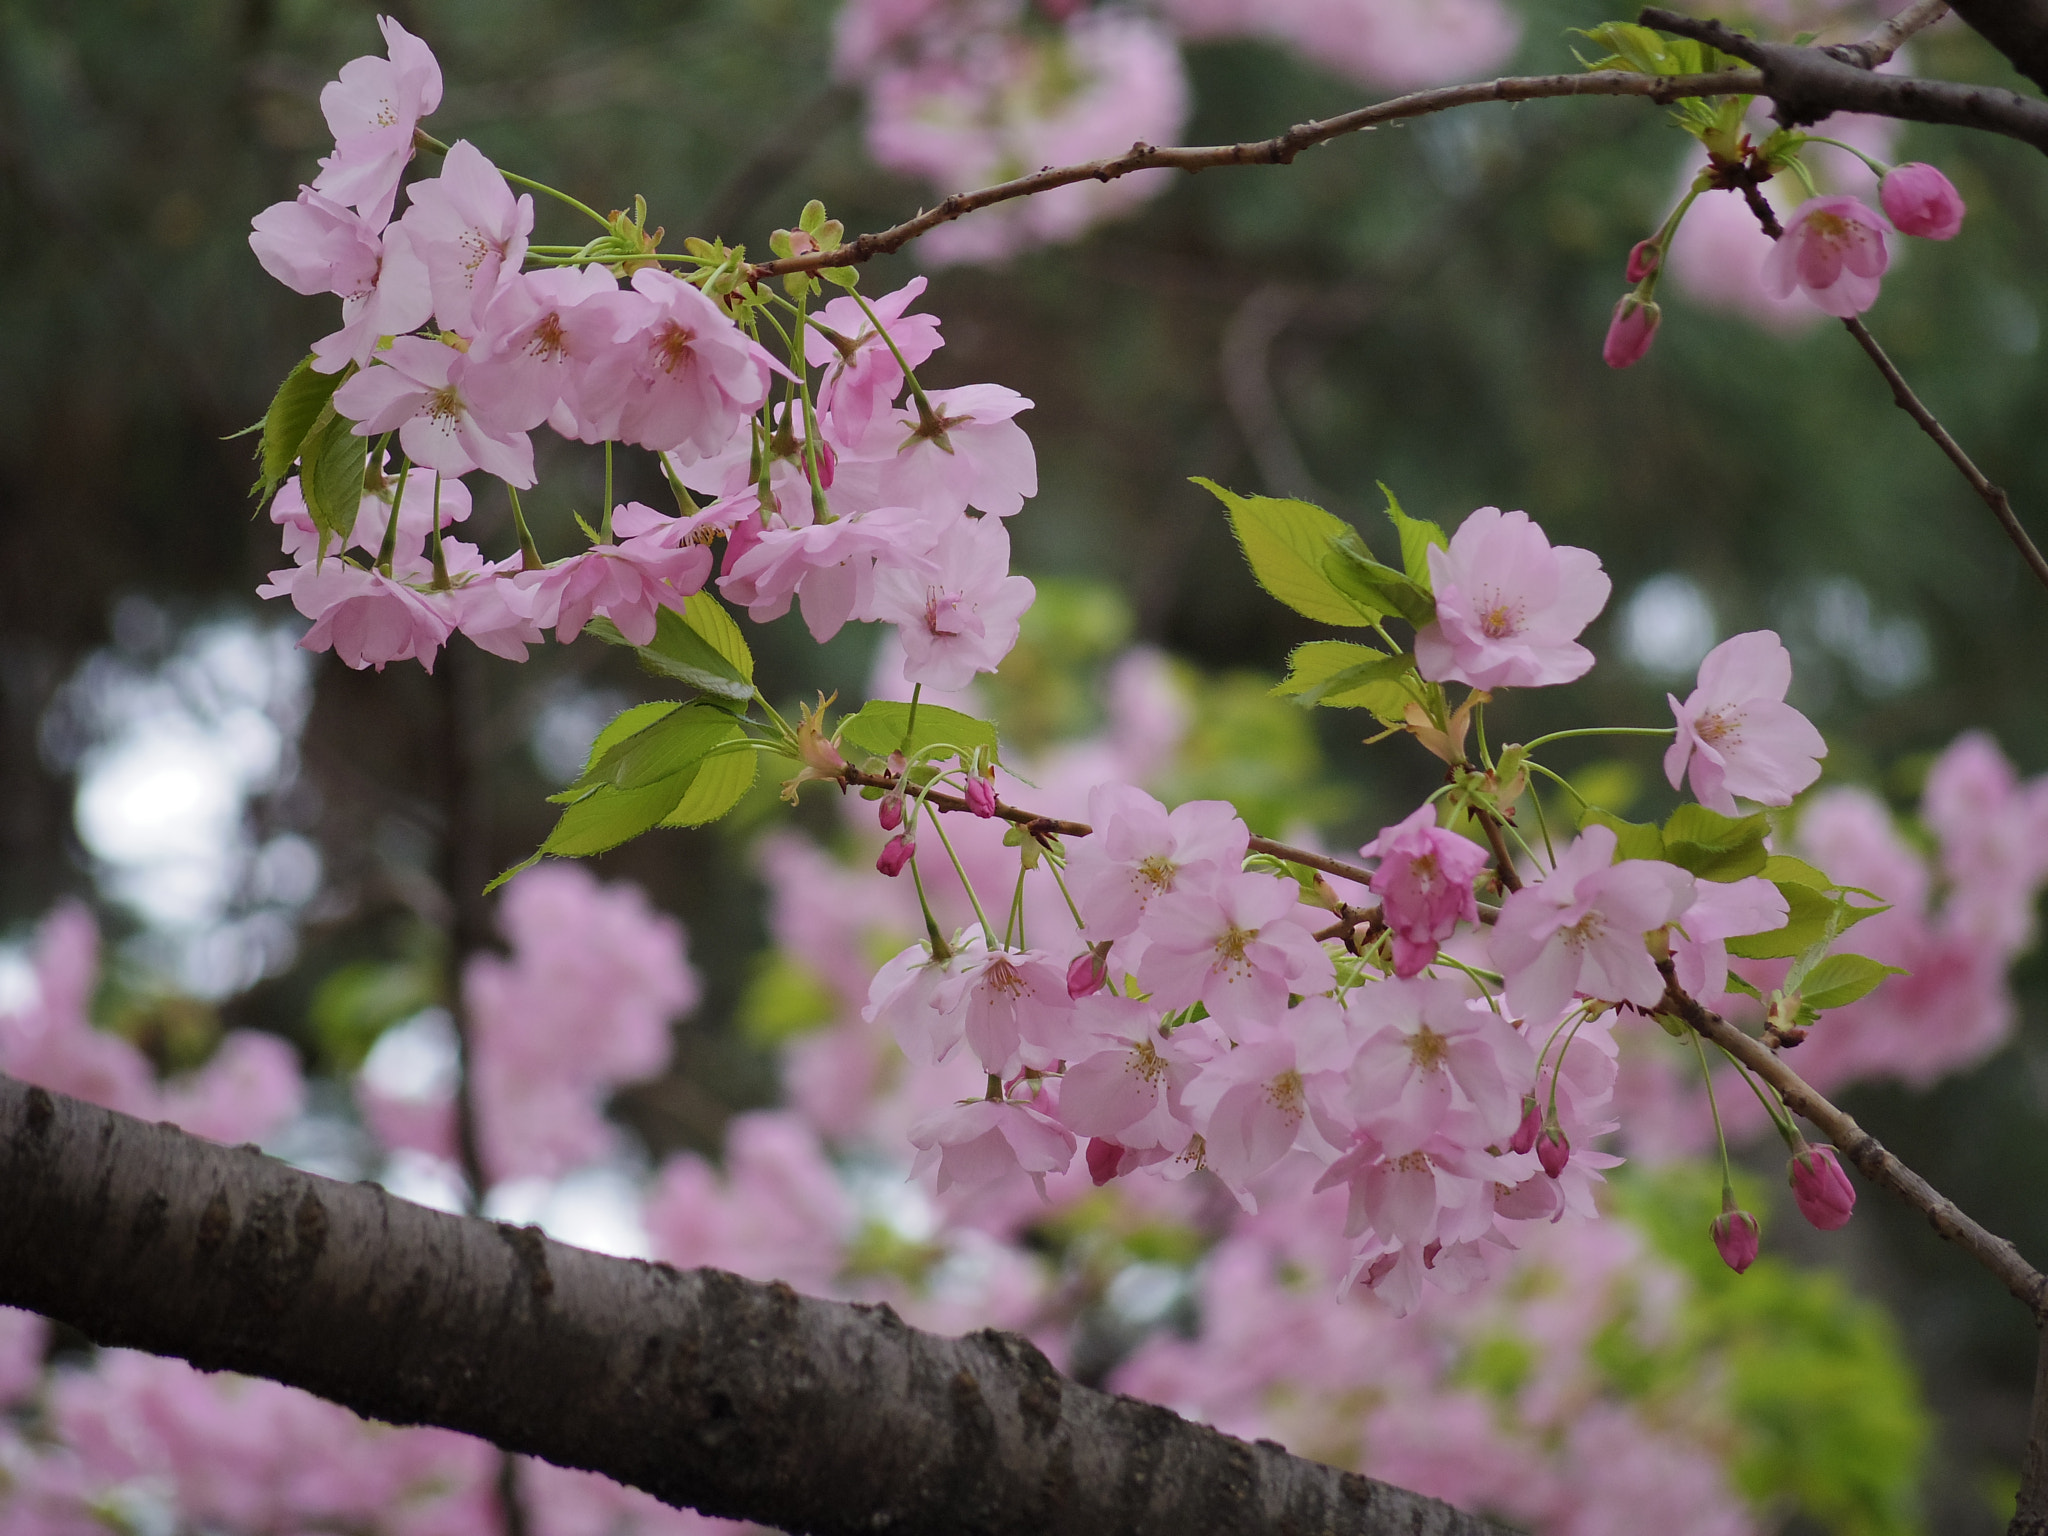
(975, 1145)
(1630, 332)
(1919, 200)
(631, 580)
(316, 245)
(507, 609)
(536, 339)
(964, 618)
(971, 454)
(1441, 1191)
(1820, 1188)
(903, 997)
(865, 378)
(1721, 911)
(1509, 606)
(415, 388)
(1014, 1010)
(1427, 1048)
(468, 228)
(1833, 251)
(1124, 1082)
(1251, 1106)
(831, 566)
(1239, 947)
(1139, 851)
(679, 374)
(1736, 733)
(1424, 882)
(365, 617)
(372, 111)
(1581, 929)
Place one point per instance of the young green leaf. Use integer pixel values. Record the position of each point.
(331, 464)
(1633, 839)
(1417, 535)
(1716, 847)
(725, 775)
(298, 403)
(700, 646)
(1285, 543)
(1350, 567)
(1840, 979)
(673, 744)
(606, 817)
(879, 728)
(1341, 675)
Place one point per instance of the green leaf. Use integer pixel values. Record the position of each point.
(606, 817)
(1716, 847)
(1417, 535)
(1285, 543)
(879, 728)
(1782, 867)
(1341, 675)
(331, 463)
(627, 722)
(700, 646)
(722, 778)
(298, 403)
(1633, 839)
(1840, 979)
(1370, 585)
(673, 744)
(1805, 925)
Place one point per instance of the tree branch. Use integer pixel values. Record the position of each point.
(704, 1389)
(1889, 38)
(1863, 1149)
(1808, 84)
(2016, 28)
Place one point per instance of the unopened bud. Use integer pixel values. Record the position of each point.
(1643, 259)
(1735, 1235)
(1524, 1139)
(890, 812)
(1552, 1150)
(897, 854)
(1822, 1190)
(981, 796)
(1088, 974)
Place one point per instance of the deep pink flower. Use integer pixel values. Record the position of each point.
(1736, 1238)
(1424, 882)
(1509, 606)
(890, 812)
(896, 854)
(679, 374)
(1736, 733)
(468, 228)
(414, 387)
(1833, 251)
(977, 1144)
(1239, 946)
(965, 617)
(1630, 332)
(1524, 1139)
(1581, 929)
(372, 111)
(536, 339)
(1643, 258)
(1821, 1189)
(1139, 851)
(1105, 1160)
(1087, 974)
(981, 796)
(1919, 200)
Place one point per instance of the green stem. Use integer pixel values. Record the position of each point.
(605, 532)
(966, 884)
(1543, 825)
(685, 502)
(529, 553)
(940, 948)
(440, 558)
(389, 548)
(427, 141)
(924, 406)
(1706, 1074)
(1877, 166)
(910, 724)
(1061, 881)
(1559, 779)
(1601, 730)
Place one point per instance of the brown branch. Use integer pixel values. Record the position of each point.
(1889, 38)
(1904, 398)
(2016, 28)
(1864, 1150)
(705, 1389)
(2030, 1510)
(1279, 150)
(1052, 826)
(1809, 84)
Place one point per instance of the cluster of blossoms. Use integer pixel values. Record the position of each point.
(965, 93)
(851, 499)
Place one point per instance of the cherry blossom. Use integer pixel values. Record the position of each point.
(1735, 1234)
(1014, 1009)
(536, 339)
(415, 388)
(1427, 1049)
(1581, 928)
(969, 453)
(1832, 251)
(469, 229)
(631, 580)
(964, 618)
(1736, 733)
(977, 1144)
(1424, 882)
(903, 997)
(830, 566)
(1238, 946)
(372, 111)
(316, 245)
(679, 375)
(865, 378)
(507, 609)
(1631, 331)
(1509, 606)
(1140, 850)
(365, 617)
(1919, 200)
(1721, 911)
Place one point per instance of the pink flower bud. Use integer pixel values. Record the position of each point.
(896, 854)
(890, 813)
(1735, 1236)
(1105, 1160)
(1919, 200)
(1087, 975)
(981, 796)
(1524, 1139)
(1630, 333)
(1825, 1196)
(1643, 259)
(1552, 1150)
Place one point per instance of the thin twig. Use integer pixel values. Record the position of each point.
(1904, 398)
(1279, 150)
(1880, 45)
(1863, 1149)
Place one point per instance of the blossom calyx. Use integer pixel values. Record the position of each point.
(815, 750)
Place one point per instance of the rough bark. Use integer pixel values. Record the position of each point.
(2016, 28)
(703, 1388)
